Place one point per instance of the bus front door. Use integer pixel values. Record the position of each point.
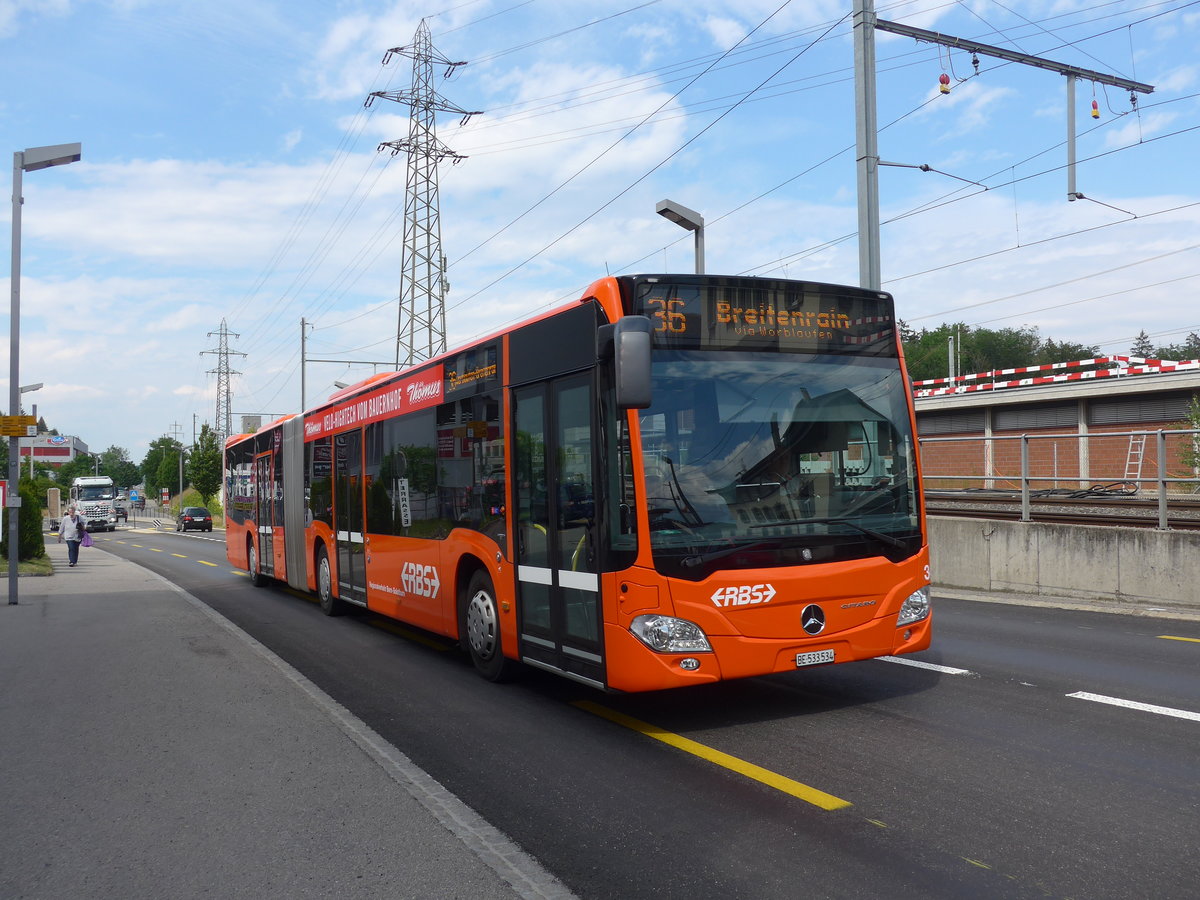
(557, 580)
(348, 517)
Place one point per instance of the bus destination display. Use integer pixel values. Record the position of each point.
(795, 317)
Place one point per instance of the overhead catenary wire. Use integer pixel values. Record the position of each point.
(780, 263)
(748, 204)
(637, 181)
(319, 190)
(492, 283)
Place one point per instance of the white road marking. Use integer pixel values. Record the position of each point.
(916, 663)
(1133, 704)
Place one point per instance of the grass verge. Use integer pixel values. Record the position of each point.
(41, 566)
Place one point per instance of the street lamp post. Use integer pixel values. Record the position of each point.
(29, 160)
(26, 389)
(685, 218)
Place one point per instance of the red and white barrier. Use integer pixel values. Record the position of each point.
(1122, 366)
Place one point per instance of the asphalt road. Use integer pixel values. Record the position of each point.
(1039, 753)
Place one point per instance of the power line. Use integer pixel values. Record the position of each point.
(650, 171)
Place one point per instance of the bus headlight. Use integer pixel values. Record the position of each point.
(915, 608)
(666, 634)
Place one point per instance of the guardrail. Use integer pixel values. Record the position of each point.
(1128, 480)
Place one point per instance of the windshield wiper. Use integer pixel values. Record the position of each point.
(829, 520)
(689, 562)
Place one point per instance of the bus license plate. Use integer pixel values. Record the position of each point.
(815, 658)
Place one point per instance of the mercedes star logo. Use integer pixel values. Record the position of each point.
(812, 619)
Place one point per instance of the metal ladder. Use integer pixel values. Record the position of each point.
(1133, 462)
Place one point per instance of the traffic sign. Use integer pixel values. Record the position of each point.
(18, 426)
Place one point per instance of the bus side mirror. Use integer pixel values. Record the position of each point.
(631, 362)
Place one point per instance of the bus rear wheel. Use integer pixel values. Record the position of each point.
(257, 578)
(480, 628)
(330, 605)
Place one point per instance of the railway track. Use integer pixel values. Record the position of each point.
(1098, 508)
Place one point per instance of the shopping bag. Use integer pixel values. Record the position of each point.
(86, 540)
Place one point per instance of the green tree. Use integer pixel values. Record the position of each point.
(1142, 346)
(1065, 351)
(204, 465)
(75, 468)
(160, 447)
(926, 352)
(167, 475)
(1190, 454)
(1189, 349)
(982, 349)
(115, 463)
(1005, 348)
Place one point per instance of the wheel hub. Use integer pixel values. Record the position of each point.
(481, 624)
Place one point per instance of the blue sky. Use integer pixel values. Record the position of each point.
(230, 172)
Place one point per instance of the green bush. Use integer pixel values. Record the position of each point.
(191, 497)
(30, 544)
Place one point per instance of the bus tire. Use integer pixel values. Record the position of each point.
(330, 605)
(479, 625)
(257, 578)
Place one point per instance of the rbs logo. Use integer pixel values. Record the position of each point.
(743, 594)
(420, 580)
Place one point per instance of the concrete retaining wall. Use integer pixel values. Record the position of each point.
(1134, 566)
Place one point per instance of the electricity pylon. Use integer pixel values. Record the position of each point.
(421, 319)
(224, 420)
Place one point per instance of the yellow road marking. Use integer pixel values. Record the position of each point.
(139, 546)
(180, 555)
(749, 770)
(1171, 637)
(156, 549)
(976, 862)
(295, 593)
(410, 635)
(205, 562)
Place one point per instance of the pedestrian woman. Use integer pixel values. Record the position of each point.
(71, 530)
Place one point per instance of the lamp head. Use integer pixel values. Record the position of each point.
(57, 155)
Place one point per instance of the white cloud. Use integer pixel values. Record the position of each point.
(13, 11)
(143, 251)
(1138, 128)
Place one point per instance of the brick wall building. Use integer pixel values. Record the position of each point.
(1087, 425)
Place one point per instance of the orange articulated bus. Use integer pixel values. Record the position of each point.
(676, 480)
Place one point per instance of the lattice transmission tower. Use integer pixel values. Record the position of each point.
(421, 318)
(223, 424)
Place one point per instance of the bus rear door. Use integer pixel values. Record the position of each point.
(264, 511)
(348, 517)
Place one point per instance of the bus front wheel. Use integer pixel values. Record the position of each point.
(330, 605)
(480, 627)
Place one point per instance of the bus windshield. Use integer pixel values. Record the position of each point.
(779, 459)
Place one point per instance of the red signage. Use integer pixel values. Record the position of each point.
(393, 399)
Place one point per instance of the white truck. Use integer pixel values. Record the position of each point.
(93, 498)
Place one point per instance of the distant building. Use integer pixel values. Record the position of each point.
(53, 449)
